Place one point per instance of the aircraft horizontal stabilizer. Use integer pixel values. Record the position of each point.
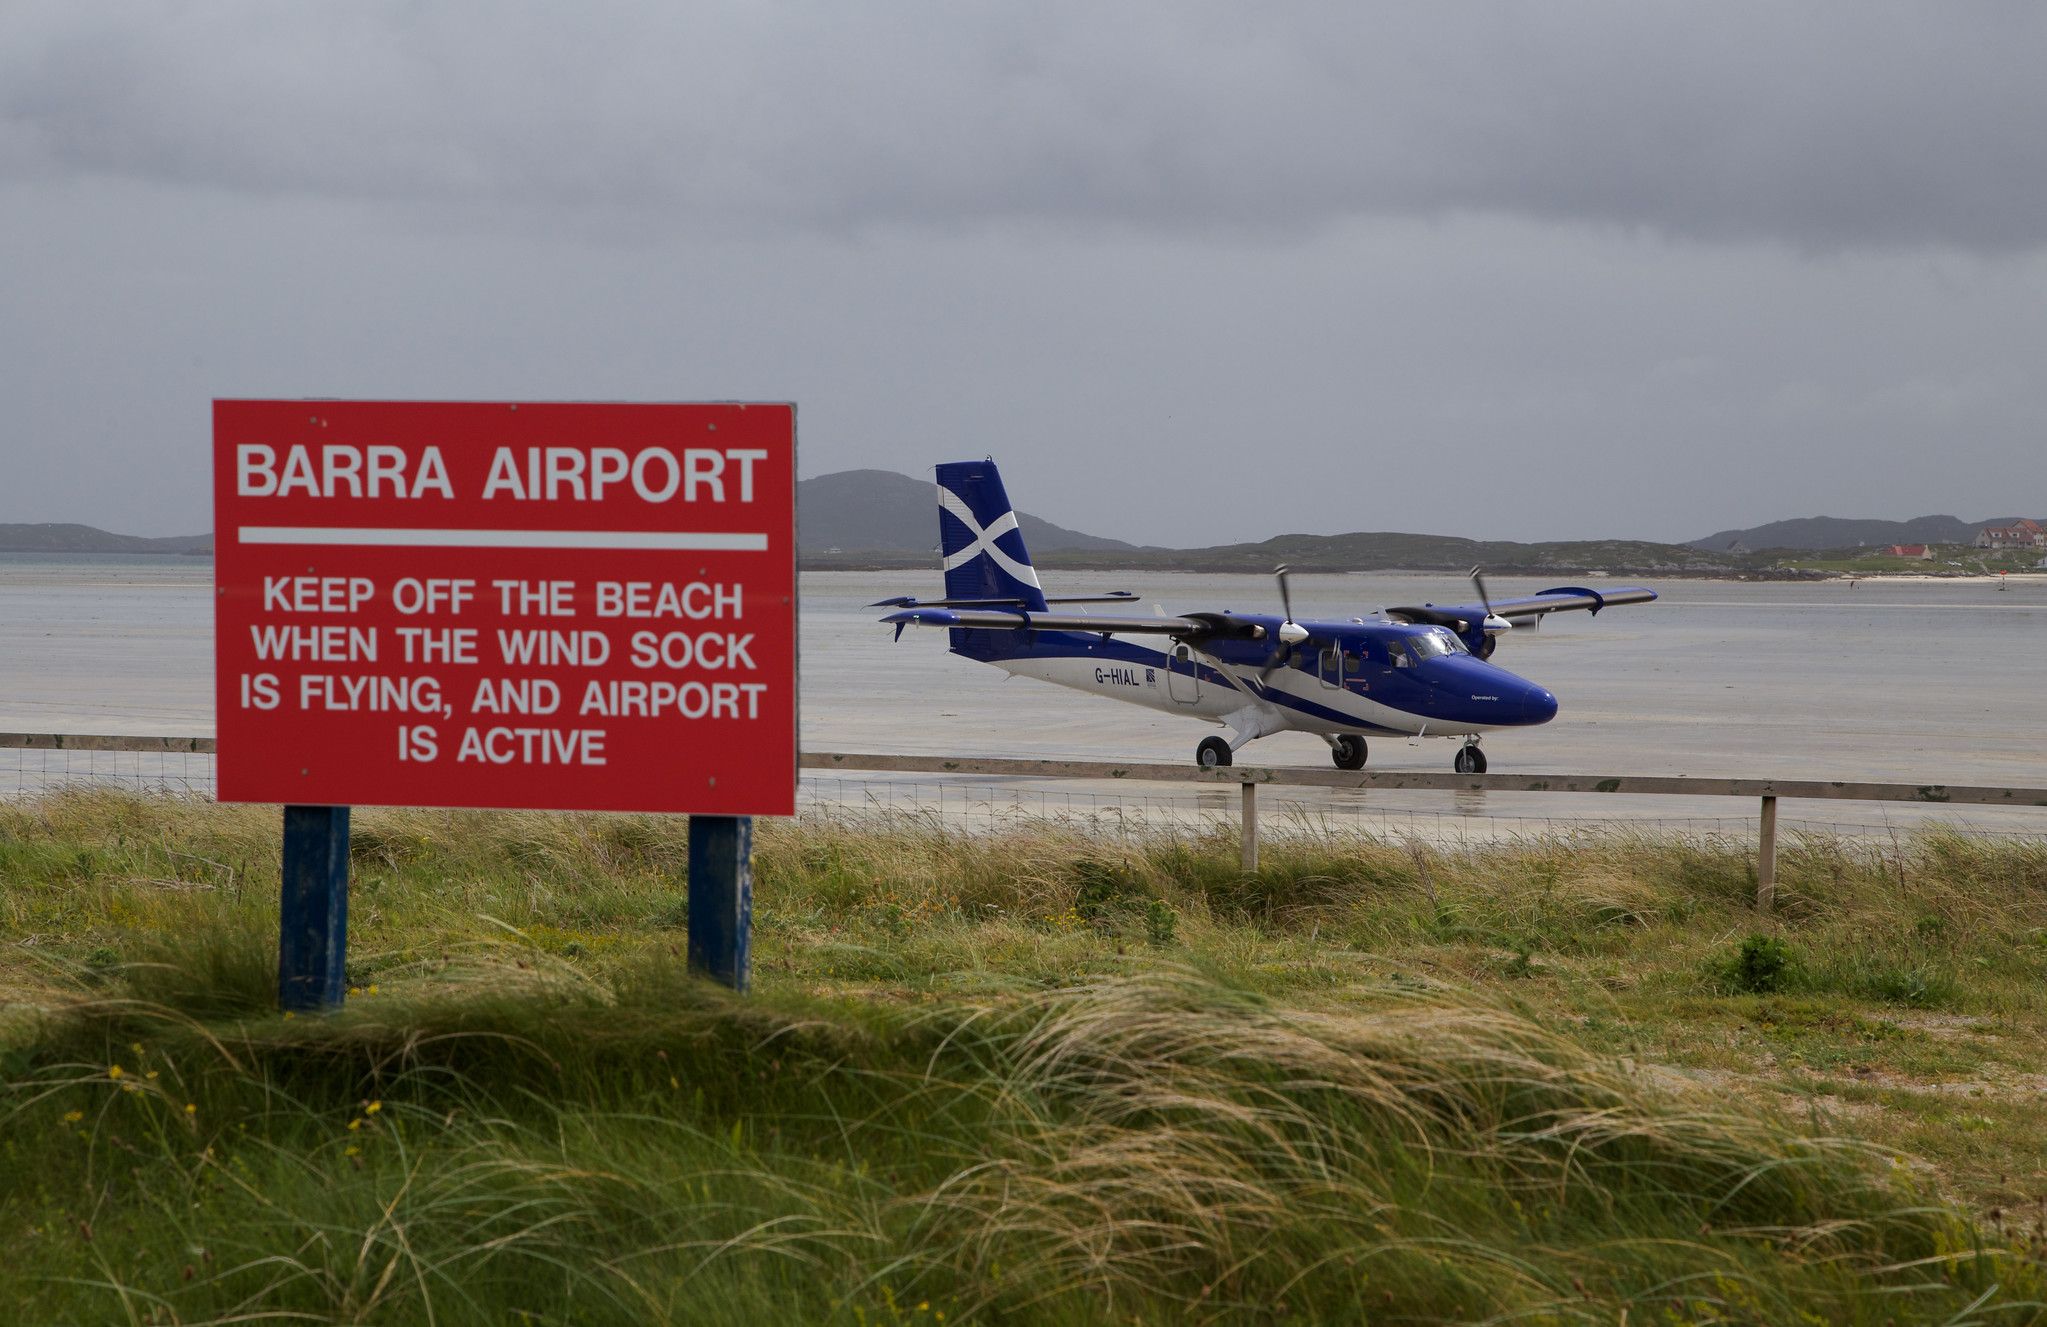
(1016, 619)
(1195, 626)
(911, 601)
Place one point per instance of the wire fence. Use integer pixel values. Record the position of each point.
(965, 805)
(973, 805)
(35, 771)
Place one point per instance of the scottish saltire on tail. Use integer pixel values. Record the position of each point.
(982, 549)
(1415, 671)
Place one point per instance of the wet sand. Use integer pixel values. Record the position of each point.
(1911, 679)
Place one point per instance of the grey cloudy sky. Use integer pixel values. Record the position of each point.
(1192, 271)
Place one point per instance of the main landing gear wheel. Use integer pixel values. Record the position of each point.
(1348, 751)
(1470, 760)
(1212, 753)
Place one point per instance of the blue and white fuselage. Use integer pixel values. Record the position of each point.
(1351, 678)
(1405, 672)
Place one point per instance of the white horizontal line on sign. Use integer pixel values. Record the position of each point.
(691, 541)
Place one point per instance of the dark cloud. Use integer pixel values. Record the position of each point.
(1195, 271)
(1823, 126)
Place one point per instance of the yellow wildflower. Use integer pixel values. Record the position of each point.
(191, 1109)
(114, 1072)
(73, 1116)
(351, 1152)
(355, 1124)
(135, 1046)
(371, 989)
(151, 1075)
(287, 1013)
(373, 1108)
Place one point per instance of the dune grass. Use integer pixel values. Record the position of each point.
(1025, 1078)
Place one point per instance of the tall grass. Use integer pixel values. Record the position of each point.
(981, 1079)
(1158, 1146)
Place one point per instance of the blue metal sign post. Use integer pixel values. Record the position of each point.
(721, 897)
(312, 947)
(312, 941)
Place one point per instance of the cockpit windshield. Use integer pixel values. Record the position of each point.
(1433, 642)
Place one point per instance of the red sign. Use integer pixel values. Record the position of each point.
(582, 607)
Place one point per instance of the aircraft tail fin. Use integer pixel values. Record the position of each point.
(983, 550)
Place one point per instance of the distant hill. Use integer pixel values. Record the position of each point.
(854, 511)
(861, 518)
(880, 511)
(1369, 551)
(866, 518)
(1826, 532)
(52, 538)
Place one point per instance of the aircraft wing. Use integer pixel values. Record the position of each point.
(1458, 617)
(1017, 619)
(1569, 597)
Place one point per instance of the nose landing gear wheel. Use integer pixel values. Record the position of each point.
(1470, 760)
(1348, 751)
(1212, 753)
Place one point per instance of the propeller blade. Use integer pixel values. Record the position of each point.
(1478, 579)
(1494, 624)
(1288, 632)
(1282, 655)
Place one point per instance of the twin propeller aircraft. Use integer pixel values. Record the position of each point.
(1410, 672)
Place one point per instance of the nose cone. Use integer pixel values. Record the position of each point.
(1487, 695)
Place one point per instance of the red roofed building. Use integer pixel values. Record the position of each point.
(2021, 533)
(1920, 551)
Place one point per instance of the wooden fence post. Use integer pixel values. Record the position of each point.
(1766, 858)
(1250, 832)
(312, 915)
(721, 898)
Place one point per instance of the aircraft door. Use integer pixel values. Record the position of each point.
(1183, 675)
(1330, 667)
(1397, 679)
